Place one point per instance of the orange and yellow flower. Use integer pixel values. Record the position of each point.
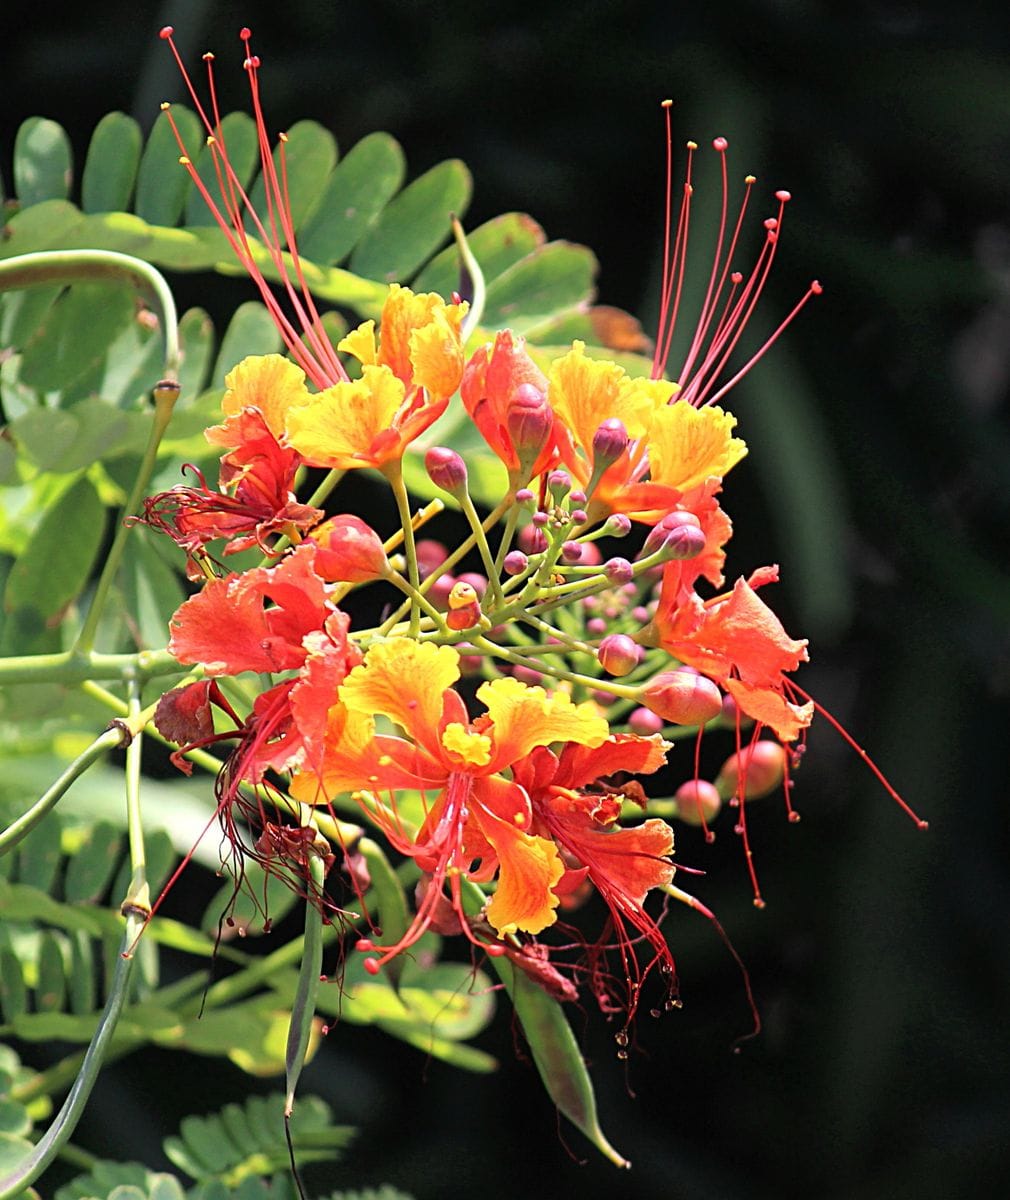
(480, 822)
(407, 377)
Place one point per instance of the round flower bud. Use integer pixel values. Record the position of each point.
(559, 484)
(477, 581)
(529, 421)
(446, 469)
(430, 554)
(571, 553)
(682, 697)
(523, 496)
(665, 526)
(609, 442)
(644, 722)
(618, 571)
(349, 551)
(532, 540)
(515, 562)
(464, 606)
(619, 654)
(439, 591)
(596, 625)
(698, 802)
(618, 525)
(764, 766)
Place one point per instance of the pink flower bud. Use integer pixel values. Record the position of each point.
(618, 525)
(477, 581)
(439, 591)
(678, 534)
(763, 764)
(619, 571)
(532, 540)
(446, 469)
(349, 551)
(644, 722)
(609, 442)
(698, 802)
(596, 625)
(529, 421)
(515, 562)
(571, 553)
(560, 484)
(430, 554)
(619, 654)
(682, 697)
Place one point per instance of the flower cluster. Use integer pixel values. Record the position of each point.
(494, 726)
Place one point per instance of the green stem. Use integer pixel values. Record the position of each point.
(65, 266)
(60, 1131)
(71, 666)
(138, 896)
(394, 473)
(165, 396)
(460, 552)
(483, 549)
(506, 538)
(19, 829)
(303, 1009)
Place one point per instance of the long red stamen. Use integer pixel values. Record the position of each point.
(882, 778)
(304, 337)
(729, 301)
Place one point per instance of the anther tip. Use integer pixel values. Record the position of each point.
(720, 144)
(666, 104)
(166, 32)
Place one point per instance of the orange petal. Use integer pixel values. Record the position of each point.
(771, 708)
(529, 866)
(404, 680)
(524, 717)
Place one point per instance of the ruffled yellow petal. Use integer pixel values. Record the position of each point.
(687, 445)
(584, 392)
(405, 312)
(471, 749)
(529, 868)
(269, 382)
(436, 355)
(404, 680)
(524, 717)
(343, 427)
(360, 343)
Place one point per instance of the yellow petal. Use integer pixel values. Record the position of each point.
(269, 382)
(529, 868)
(584, 392)
(404, 680)
(436, 356)
(472, 749)
(524, 717)
(687, 445)
(341, 426)
(361, 343)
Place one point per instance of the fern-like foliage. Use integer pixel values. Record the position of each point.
(239, 1153)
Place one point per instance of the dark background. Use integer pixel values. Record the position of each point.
(881, 963)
